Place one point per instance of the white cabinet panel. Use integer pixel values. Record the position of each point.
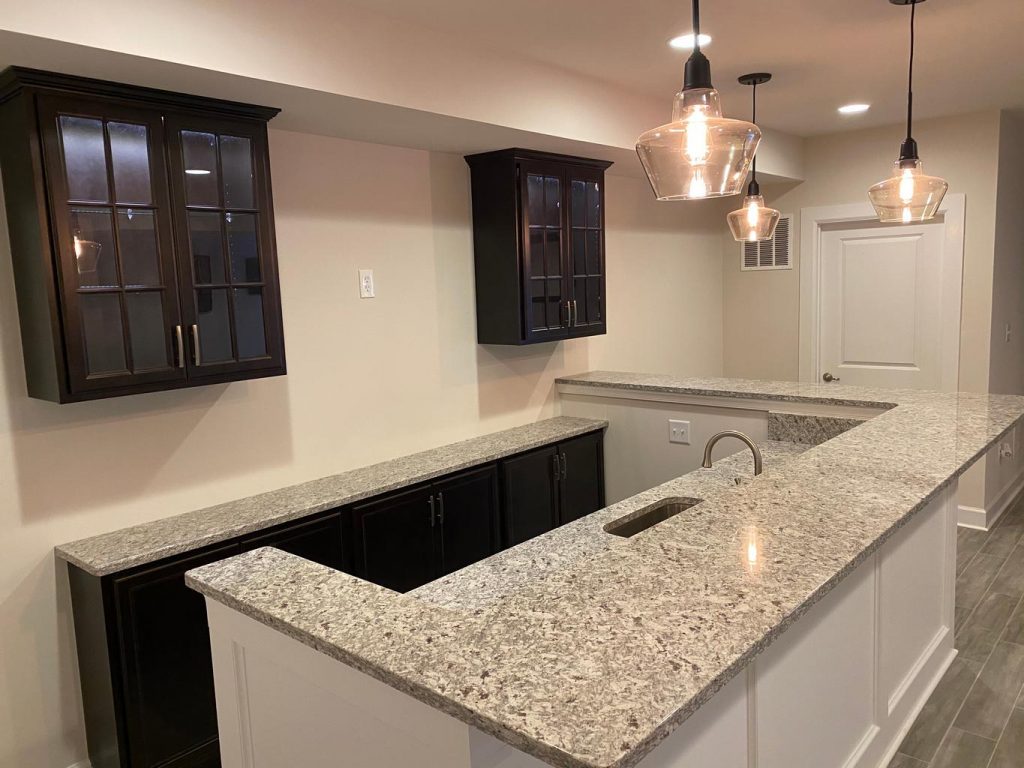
(814, 692)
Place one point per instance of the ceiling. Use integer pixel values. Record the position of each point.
(823, 54)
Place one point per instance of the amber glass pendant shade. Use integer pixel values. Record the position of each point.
(699, 153)
(754, 221)
(908, 195)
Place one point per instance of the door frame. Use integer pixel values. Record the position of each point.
(812, 224)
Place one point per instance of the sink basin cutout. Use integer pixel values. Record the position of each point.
(635, 522)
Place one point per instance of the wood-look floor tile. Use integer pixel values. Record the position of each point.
(969, 542)
(1014, 632)
(905, 761)
(925, 735)
(1010, 579)
(961, 749)
(972, 584)
(1010, 747)
(976, 643)
(960, 616)
(994, 610)
(1003, 538)
(994, 693)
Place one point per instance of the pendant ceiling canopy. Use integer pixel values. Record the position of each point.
(699, 153)
(909, 195)
(754, 221)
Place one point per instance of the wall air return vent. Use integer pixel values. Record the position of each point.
(770, 254)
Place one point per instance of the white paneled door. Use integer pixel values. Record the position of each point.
(883, 304)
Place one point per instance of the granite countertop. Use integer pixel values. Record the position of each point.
(585, 649)
(140, 544)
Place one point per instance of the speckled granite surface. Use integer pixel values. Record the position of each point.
(806, 429)
(585, 649)
(148, 542)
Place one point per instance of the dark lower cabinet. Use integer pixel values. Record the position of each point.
(552, 486)
(582, 487)
(467, 507)
(142, 635)
(394, 540)
(171, 714)
(407, 539)
(530, 494)
(318, 540)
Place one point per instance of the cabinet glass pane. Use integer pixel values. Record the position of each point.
(535, 199)
(580, 288)
(536, 252)
(139, 256)
(579, 253)
(252, 339)
(579, 203)
(593, 204)
(202, 181)
(538, 305)
(85, 158)
(103, 332)
(214, 325)
(243, 248)
(553, 252)
(129, 156)
(594, 300)
(92, 231)
(146, 330)
(207, 247)
(236, 164)
(552, 201)
(593, 251)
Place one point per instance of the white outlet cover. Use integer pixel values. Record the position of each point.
(366, 289)
(679, 431)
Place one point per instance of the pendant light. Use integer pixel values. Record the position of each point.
(753, 221)
(909, 195)
(700, 153)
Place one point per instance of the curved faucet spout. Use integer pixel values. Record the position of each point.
(758, 461)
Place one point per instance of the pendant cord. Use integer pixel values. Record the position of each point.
(696, 25)
(910, 78)
(753, 119)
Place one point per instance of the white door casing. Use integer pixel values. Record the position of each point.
(880, 304)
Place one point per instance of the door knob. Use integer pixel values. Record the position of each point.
(828, 378)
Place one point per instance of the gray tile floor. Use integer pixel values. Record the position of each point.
(975, 717)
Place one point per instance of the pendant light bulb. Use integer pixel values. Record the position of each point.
(754, 221)
(908, 195)
(699, 153)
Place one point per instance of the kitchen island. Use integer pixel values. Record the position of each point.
(798, 618)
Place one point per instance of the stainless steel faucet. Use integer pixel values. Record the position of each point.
(758, 461)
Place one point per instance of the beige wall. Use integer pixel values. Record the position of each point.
(368, 379)
(762, 309)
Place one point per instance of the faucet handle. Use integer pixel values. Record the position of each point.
(828, 378)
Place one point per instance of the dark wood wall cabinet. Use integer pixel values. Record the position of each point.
(142, 234)
(538, 242)
(142, 637)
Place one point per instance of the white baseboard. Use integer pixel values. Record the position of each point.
(984, 519)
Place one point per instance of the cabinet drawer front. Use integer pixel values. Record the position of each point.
(111, 227)
(167, 668)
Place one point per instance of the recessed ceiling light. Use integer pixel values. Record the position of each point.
(854, 109)
(685, 42)
(197, 172)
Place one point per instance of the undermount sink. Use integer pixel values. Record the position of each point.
(635, 522)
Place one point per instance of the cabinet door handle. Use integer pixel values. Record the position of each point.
(180, 339)
(558, 470)
(564, 470)
(440, 507)
(575, 313)
(196, 357)
(430, 505)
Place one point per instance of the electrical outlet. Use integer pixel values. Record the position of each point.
(366, 284)
(1005, 451)
(679, 431)
(1009, 333)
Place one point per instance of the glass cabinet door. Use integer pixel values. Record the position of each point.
(586, 252)
(542, 193)
(222, 205)
(113, 238)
